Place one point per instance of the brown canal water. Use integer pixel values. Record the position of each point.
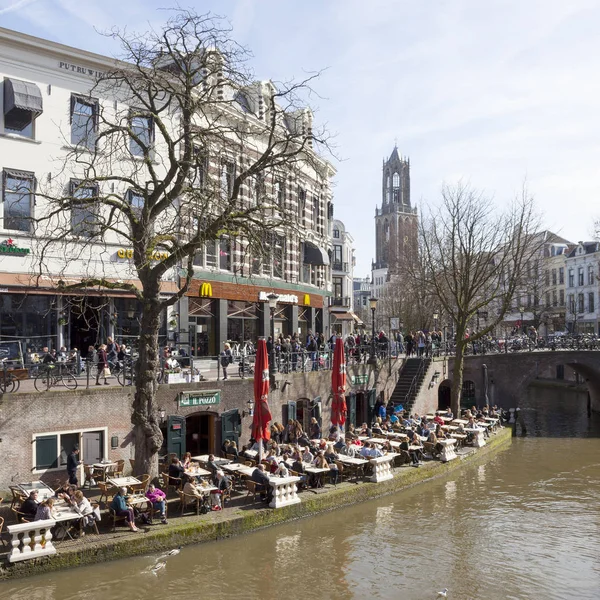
(525, 525)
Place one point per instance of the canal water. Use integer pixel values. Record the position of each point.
(525, 525)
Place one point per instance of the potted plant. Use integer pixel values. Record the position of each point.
(172, 323)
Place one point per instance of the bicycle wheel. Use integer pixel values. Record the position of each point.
(41, 382)
(68, 381)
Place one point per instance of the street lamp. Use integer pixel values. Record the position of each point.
(373, 305)
(522, 311)
(272, 298)
(435, 320)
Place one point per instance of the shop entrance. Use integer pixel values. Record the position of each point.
(87, 323)
(444, 395)
(200, 433)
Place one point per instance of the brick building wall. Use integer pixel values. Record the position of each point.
(23, 415)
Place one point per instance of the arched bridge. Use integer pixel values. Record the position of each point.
(509, 375)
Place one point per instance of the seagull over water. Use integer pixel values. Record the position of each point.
(443, 593)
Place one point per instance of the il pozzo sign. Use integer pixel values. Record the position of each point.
(9, 247)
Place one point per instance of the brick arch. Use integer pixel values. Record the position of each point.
(510, 374)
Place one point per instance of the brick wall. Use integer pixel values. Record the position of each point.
(24, 415)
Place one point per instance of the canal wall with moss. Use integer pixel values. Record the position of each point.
(239, 520)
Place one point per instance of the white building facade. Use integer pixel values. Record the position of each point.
(341, 303)
(582, 279)
(45, 109)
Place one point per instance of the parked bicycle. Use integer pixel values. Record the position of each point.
(53, 375)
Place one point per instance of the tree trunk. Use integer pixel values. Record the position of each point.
(147, 434)
(457, 376)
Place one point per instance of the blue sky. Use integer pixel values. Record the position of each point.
(492, 92)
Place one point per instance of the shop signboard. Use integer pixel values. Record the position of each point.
(9, 247)
(199, 398)
(359, 379)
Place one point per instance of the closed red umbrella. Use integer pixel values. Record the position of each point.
(262, 414)
(338, 385)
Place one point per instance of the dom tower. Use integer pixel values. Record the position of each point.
(396, 223)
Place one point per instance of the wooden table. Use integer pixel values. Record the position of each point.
(44, 491)
(203, 459)
(199, 472)
(353, 461)
(124, 481)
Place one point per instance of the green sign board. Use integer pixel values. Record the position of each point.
(200, 398)
(358, 379)
(9, 247)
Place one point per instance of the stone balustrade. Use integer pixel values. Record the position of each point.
(31, 540)
(447, 454)
(285, 491)
(382, 467)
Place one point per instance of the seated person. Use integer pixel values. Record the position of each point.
(282, 470)
(315, 429)
(29, 506)
(85, 508)
(233, 449)
(187, 460)
(223, 487)
(449, 413)
(159, 500)
(176, 471)
(262, 480)
(121, 509)
(212, 466)
(351, 433)
(66, 492)
(394, 419)
(45, 510)
(307, 456)
(365, 430)
(190, 488)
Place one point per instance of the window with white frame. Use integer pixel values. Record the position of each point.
(84, 217)
(136, 200)
(580, 276)
(590, 275)
(50, 450)
(84, 121)
(591, 304)
(142, 139)
(17, 201)
(227, 178)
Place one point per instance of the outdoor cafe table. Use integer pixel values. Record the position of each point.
(376, 441)
(461, 421)
(124, 481)
(449, 427)
(448, 452)
(382, 467)
(44, 491)
(478, 440)
(63, 513)
(103, 466)
(251, 453)
(203, 459)
(318, 472)
(198, 472)
(446, 419)
(285, 491)
(459, 437)
(352, 461)
(238, 468)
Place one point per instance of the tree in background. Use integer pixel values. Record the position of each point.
(472, 259)
(178, 146)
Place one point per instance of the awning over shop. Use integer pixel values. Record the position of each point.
(357, 319)
(342, 316)
(22, 101)
(313, 255)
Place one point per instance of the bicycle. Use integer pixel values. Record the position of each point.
(8, 383)
(51, 376)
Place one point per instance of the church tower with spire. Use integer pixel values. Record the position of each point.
(396, 222)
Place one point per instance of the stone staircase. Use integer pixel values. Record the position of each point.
(410, 382)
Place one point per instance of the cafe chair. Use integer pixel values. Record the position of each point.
(17, 497)
(20, 517)
(115, 519)
(251, 487)
(118, 472)
(132, 463)
(94, 524)
(171, 482)
(188, 500)
(88, 472)
(104, 489)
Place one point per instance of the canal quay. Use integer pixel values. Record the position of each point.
(520, 523)
(243, 514)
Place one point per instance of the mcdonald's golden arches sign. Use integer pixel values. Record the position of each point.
(306, 300)
(206, 290)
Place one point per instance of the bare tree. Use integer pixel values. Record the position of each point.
(181, 147)
(473, 258)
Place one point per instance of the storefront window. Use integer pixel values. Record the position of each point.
(127, 323)
(201, 320)
(30, 319)
(242, 321)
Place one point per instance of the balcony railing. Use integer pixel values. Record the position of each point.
(340, 266)
(342, 301)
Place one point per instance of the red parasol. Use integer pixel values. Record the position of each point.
(262, 414)
(338, 385)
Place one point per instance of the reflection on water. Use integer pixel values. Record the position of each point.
(523, 526)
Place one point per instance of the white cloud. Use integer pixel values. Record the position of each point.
(15, 6)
